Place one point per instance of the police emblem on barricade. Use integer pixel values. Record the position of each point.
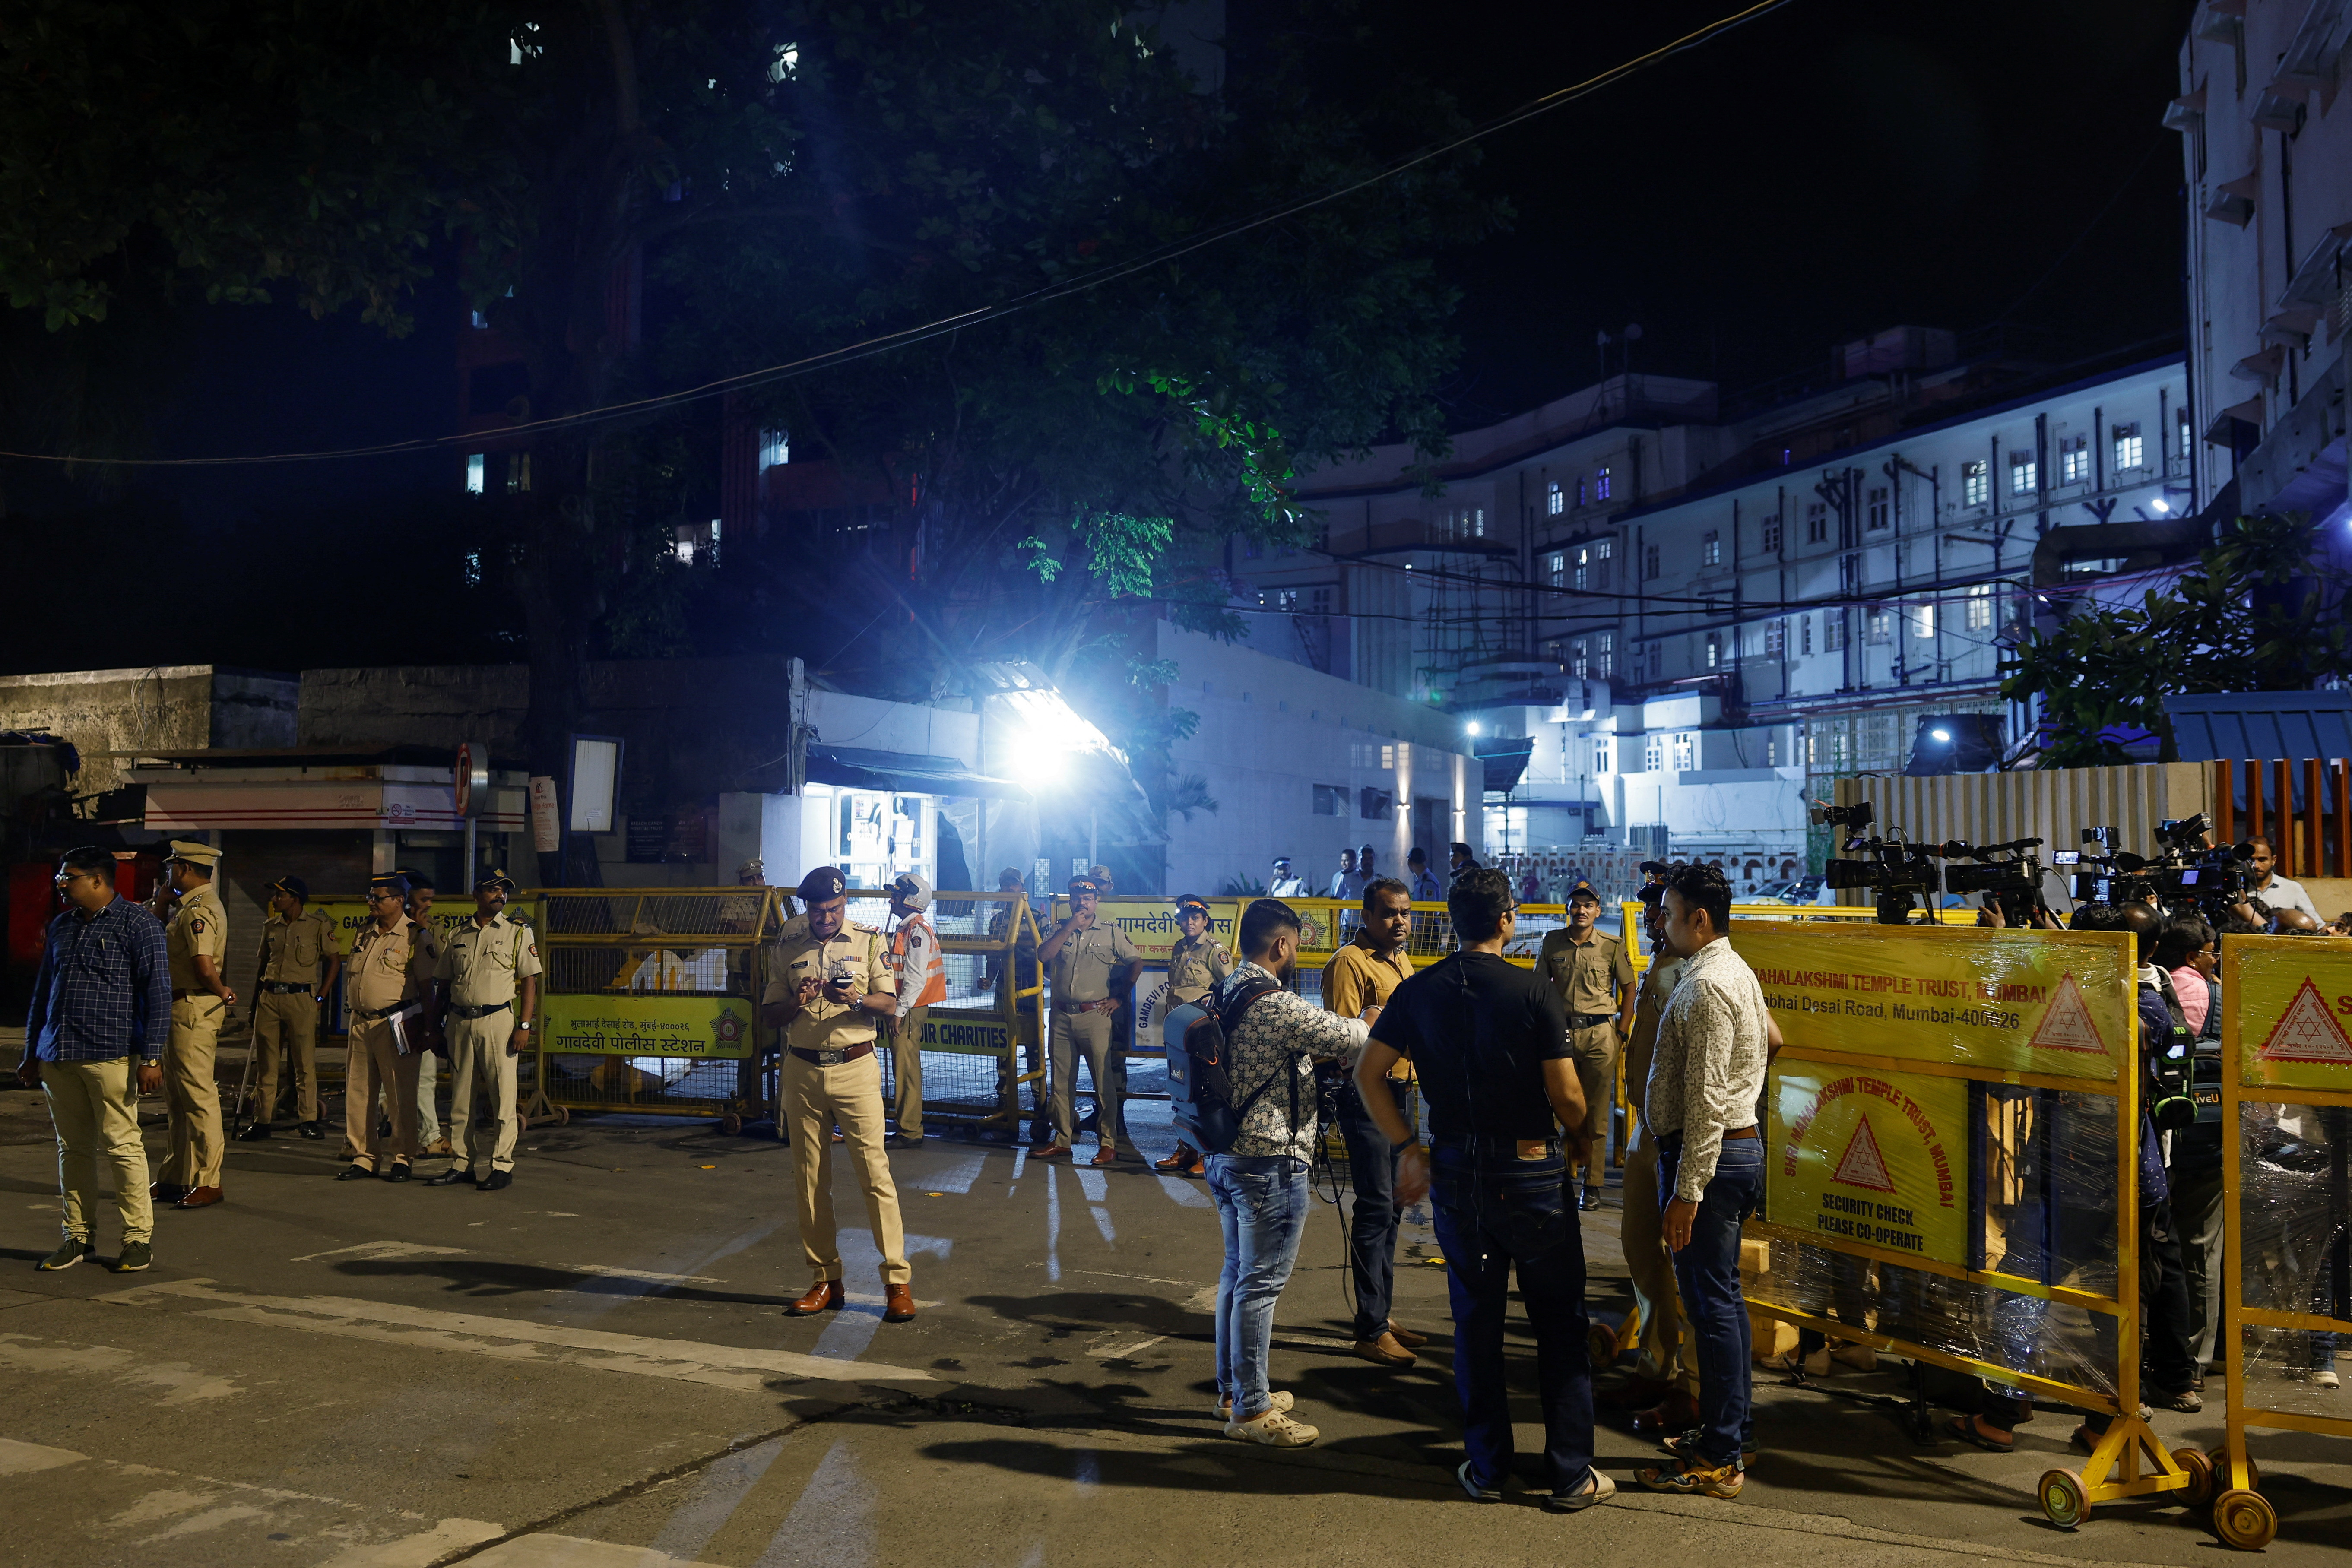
(727, 1027)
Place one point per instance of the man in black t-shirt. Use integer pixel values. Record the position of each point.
(1490, 1043)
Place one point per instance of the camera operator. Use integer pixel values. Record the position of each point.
(1489, 1043)
(2185, 952)
(2276, 893)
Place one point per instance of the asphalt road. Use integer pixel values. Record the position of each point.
(592, 1368)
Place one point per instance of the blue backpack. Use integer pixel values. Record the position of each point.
(1198, 1081)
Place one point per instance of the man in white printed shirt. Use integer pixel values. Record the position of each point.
(1706, 1074)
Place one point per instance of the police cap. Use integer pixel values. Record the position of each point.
(194, 853)
(294, 885)
(823, 885)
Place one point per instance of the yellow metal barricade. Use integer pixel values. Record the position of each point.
(1956, 1113)
(2286, 1120)
(983, 1056)
(649, 1003)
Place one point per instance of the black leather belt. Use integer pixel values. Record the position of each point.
(377, 1014)
(1590, 1020)
(286, 987)
(465, 1012)
(835, 1059)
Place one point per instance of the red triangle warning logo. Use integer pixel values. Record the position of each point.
(2307, 1032)
(2067, 1026)
(1861, 1165)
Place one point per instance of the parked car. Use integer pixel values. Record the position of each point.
(1791, 891)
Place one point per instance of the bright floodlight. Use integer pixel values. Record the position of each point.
(2160, 505)
(1050, 733)
(1941, 734)
(1474, 726)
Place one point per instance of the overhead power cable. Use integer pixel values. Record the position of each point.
(906, 337)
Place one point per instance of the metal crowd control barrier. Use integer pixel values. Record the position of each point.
(650, 1001)
(1958, 1111)
(975, 1043)
(2286, 1122)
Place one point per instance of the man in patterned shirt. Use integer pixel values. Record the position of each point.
(103, 991)
(1259, 1185)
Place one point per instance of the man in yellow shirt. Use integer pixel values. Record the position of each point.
(1361, 975)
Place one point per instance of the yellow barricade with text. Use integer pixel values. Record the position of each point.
(2285, 1131)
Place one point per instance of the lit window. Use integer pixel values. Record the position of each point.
(1879, 509)
(1817, 522)
(517, 472)
(474, 465)
(1713, 650)
(2074, 460)
(775, 450)
(1650, 562)
(1981, 608)
(1580, 662)
(2184, 442)
(2130, 450)
(1772, 534)
(1776, 638)
(1604, 654)
(1654, 753)
(1804, 633)
(1974, 482)
(1560, 570)
(1878, 624)
(1555, 501)
(1593, 567)
(1686, 752)
(2024, 474)
(1923, 620)
(1710, 549)
(1601, 484)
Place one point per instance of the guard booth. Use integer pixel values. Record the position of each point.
(1951, 1168)
(2286, 1119)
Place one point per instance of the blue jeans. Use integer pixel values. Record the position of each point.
(1708, 1274)
(1262, 1210)
(1372, 1230)
(1491, 1215)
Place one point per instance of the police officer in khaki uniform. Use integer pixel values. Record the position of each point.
(386, 983)
(1594, 974)
(829, 986)
(197, 940)
(488, 988)
(1090, 965)
(1196, 965)
(289, 989)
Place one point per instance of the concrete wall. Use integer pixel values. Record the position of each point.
(178, 707)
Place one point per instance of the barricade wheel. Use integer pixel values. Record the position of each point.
(2064, 1499)
(732, 1125)
(2245, 1520)
(562, 1117)
(1600, 1345)
(2200, 1470)
(2220, 1460)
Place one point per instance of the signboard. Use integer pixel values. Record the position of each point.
(350, 913)
(1878, 1158)
(632, 1025)
(967, 1034)
(2061, 1004)
(546, 823)
(1150, 923)
(2293, 1005)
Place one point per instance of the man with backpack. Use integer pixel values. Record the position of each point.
(1271, 1036)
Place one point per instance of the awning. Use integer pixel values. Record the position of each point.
(855, 767)
(1504, 760)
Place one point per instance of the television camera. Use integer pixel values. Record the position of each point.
(2008, 874)
(2185, 875)
(1895, 869)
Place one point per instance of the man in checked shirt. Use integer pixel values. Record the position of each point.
(103, 992)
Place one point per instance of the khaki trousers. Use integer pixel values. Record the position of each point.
(817, 1099)
(428, 1111)
(1596, 1071)
(906, 1072)
(191, 1094)
(479, 1060)
(397, 1071)
(1665, 1350)
(359, 1093)
(286, 1027)
(94, 1106)
(1091, 1031)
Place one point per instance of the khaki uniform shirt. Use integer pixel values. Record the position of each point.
(389, 968)
(1358, 977)
(292, 952)
(824, 1024)
(198, 929)
(1195, 964)
(1082, 970)
(1657, 984)
(485, 965)
(1586, 974)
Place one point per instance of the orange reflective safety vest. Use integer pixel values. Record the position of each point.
(916, 938)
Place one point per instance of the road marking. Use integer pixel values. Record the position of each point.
(1187, 1193)
(423, 1548)
(718, 1492)
(958, 1177)
(368, 1250)
(1125, 1351)
(836, 1508)
(186, 1385)
(509, 1339)
(24, 1458)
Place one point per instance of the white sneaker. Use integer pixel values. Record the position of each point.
(2325, 1377)
(1597, 1489)
(1862, 1358)
(1273, 1429)
(1279, 1399)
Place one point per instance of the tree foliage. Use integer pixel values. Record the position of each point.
(2257, 613)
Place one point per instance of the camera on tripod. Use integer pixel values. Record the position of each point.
(2185, 874)
(2009, 874)
(1897, 870)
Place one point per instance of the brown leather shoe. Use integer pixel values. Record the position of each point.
(825, 1296)
(199, 1198)
(1406, 1337)
(1633, 1393)
(1678, 1412)
(1051, 1152)
(1383, 1352)
(1183, 1160)
(1104, 1155)
(165, 1192)
(897, 1304)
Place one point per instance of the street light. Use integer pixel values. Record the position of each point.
(1943, 735)
(1472, 726)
